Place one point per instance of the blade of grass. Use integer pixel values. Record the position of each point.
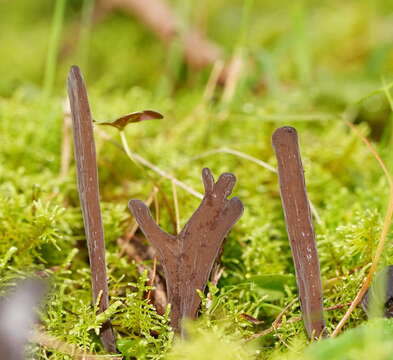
(259, 162)
(301, 43)
(138, 158)
(238, 154)
(66, 146)
(213, 81)
(85, 29)
(53, 48)
(236, 68)
(176, 203)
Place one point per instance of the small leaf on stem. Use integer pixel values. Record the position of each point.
(135, 117)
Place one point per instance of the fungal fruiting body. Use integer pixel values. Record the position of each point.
(300, 229)
(188, 258)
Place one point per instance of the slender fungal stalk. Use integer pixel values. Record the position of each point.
(85, 157)
(300, 229)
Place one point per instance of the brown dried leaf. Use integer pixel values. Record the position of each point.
(134, 117)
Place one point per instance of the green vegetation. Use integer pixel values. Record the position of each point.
(308, 64)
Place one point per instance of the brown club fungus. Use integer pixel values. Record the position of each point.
(300, 229)
(188, 257)
(85, 157)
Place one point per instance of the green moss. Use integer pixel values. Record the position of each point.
(306, 66)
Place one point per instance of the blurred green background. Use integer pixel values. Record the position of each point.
(326, 45)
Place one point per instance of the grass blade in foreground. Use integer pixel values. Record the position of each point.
(300, 228)
(85, 157)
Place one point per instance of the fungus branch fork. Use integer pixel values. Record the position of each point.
(188, 258)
